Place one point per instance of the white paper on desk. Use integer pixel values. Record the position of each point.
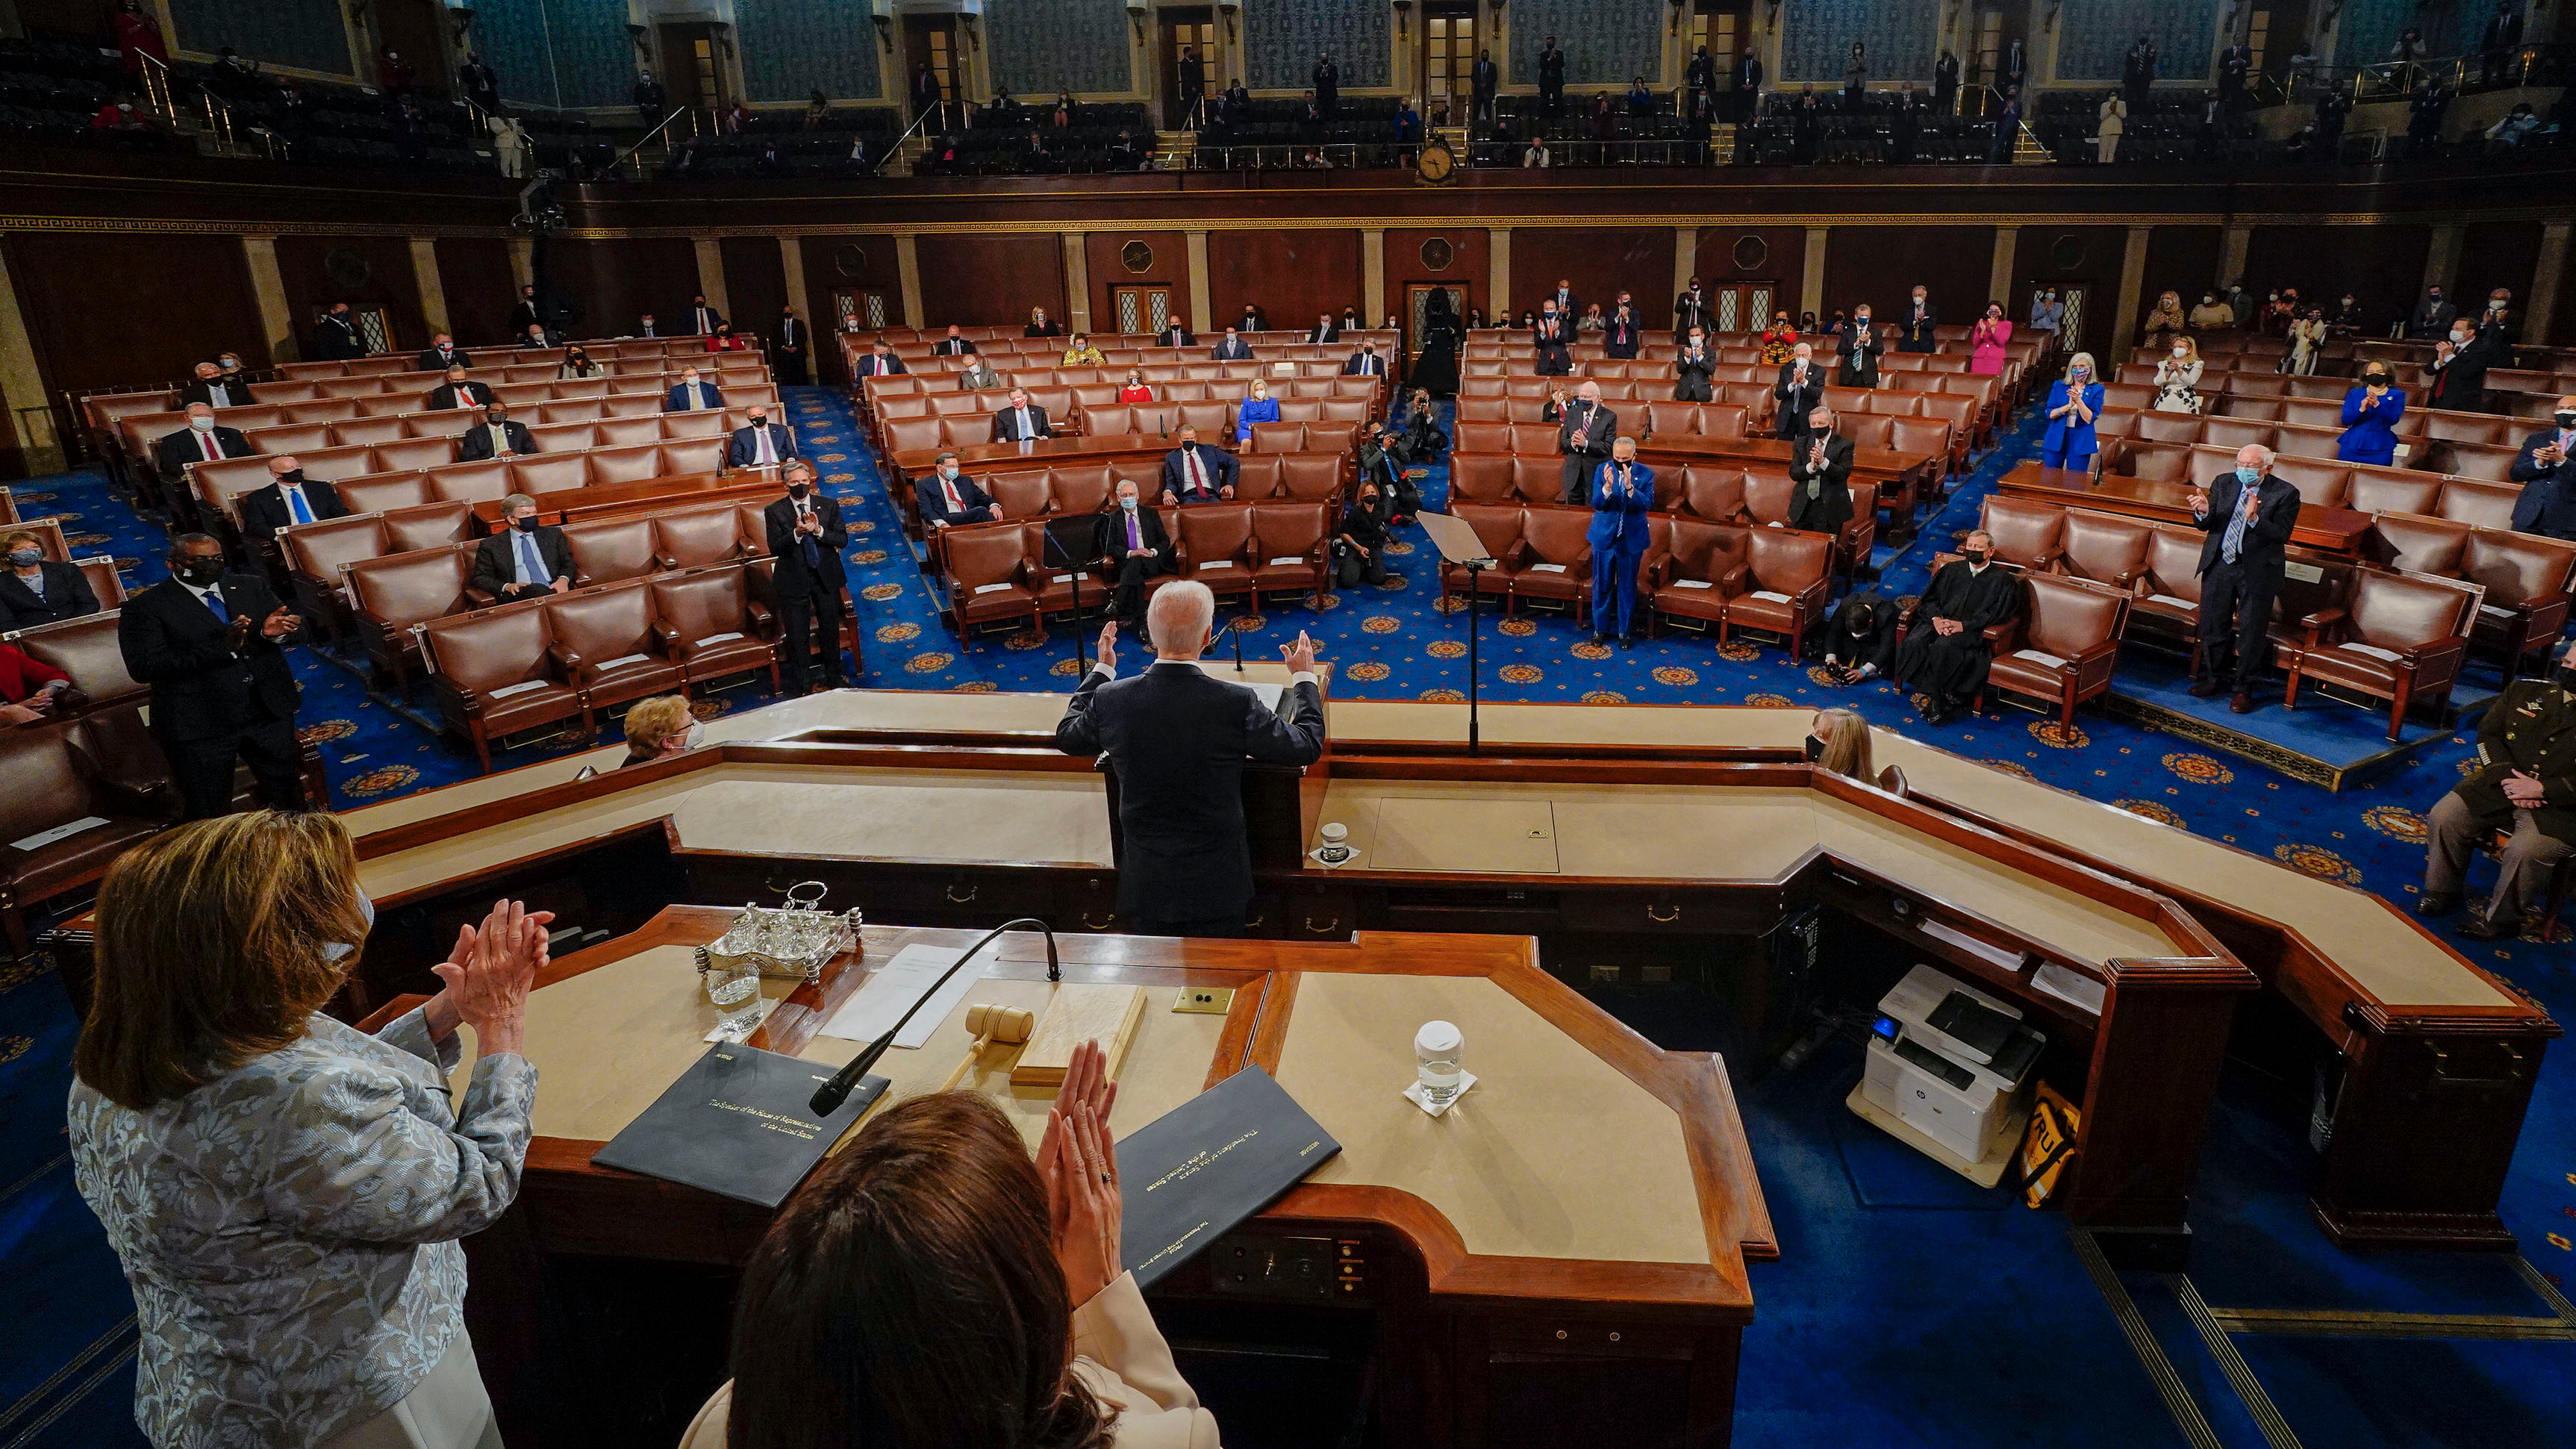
(43, 838)
(625, 659)
(1770, 596)
(1290, 559)
(1693, 584)
(1222, 563)
(520, 688)
(1268, 694)
(2384, 656)
(2170, 601)
(2003, 956)
(2072, 987)
(719, 639)
(990, 588)
(1547, 568)
(2044, 661)
(892, 991)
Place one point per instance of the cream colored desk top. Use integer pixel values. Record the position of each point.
(1709, 835)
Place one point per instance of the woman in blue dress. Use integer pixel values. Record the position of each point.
(2370, 414)
(1258, 406)
(2074, 401)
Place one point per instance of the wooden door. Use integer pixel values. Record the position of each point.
(1417, 302)
(1448, 61)
(1742, 306)
(691, 74)
(1193, 30)
(872, 307)
(1141, 309)
(931, 40)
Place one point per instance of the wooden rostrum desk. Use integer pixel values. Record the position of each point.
(1665, 822)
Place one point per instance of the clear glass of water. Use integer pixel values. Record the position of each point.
(1438, 1049)
(735, 990)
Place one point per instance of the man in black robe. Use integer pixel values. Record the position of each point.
(1944, 656)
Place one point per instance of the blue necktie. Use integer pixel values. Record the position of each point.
(295, 505)
(813, 551)
(2235, 532)
(215, 600)
(528, 560)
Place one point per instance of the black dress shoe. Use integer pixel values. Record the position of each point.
(2241, 703)
(2437, 905)
(1600, 639)
(2204, 688)
(1627, 641)
(2492, 928)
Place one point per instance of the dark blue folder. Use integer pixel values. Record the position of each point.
(1192, 1175)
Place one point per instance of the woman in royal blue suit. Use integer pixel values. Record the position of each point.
(2073, 403)
(1258, 406)
(2370, 414)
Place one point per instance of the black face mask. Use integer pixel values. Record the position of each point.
(798, 491)
(1815, 749)
(202, 572)
(2565, 419)
(525, 525)
(292, 475)
(2566, 676)
(2374, 379)
(1974, 556)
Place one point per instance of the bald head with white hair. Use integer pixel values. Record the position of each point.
(1177, 620)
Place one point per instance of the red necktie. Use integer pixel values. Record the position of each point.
(206, 440)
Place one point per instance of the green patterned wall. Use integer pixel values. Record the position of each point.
(791, 48)
(305, 34)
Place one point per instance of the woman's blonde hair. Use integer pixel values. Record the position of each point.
(651, 723)
(211, 950)
(1260, 388)
(1846, 745)
(2190, 349)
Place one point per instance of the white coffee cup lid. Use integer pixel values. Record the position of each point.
(1437, 1038)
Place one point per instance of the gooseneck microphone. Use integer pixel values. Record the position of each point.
(829, 1096)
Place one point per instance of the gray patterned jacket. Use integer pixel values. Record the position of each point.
(290, 1228)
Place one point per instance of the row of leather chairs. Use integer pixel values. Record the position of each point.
(905, 435)
(521, 666)
(600, 349)
(1073, 490)
(2417, 424)
(1002, 574)
(1125, 350)
(1973, 407)
(1695, 572)
(2326, 482)
(2147, 432)
(401, 475)
(1716, 492)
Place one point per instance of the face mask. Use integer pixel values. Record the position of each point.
(2565, 419)
(798, 491)
(758, 421)
(1127, 503)
(2248, 476)
(2078, 374)
(232, 364)
(2459, 338)
(525, 525)
(2374, 379)
(1815, 749)
(334, 950)
(25, 558)
(695, 738)
(2178, 352)
(292, 475)
(201, 571)
(1974, 556)
(690, 381)
(1863, 319)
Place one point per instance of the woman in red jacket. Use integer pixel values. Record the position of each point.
(27, 686)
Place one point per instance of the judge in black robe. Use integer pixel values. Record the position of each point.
(1948, 668)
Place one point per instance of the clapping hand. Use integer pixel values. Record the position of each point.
(1078, 1162)
(489, 974)
(278, 624)
(1107, 649)
(2199, 501)
(1300, 655)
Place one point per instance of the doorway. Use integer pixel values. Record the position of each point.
(2070, 328)
(1417, 306)
(691, 73)
(1140, 310)
(931, 40)
(1191, 29)
(1448, 68)
(871, 308)
(1741, 306)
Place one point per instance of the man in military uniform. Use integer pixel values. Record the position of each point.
(2525, 781)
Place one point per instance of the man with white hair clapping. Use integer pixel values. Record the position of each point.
(2248, 516)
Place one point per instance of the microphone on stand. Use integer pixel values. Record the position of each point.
(1238, 649)
(829, 1096)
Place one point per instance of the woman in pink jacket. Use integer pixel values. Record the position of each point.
(1986, 341)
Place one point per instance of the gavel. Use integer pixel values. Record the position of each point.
(991, 1023)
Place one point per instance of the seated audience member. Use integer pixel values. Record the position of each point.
(1232, 347)
(203, 440)
(881, 362)
(659, 728)
(537, 338)
(229, 366)
(286, 1192)
(441, 354)
(1860, 639)
(1325, 332)
(1253, 319)
(722, 340)
(1365, 362)
(2210, 314)
(948, 498)
(2370, 414)
(36, 590)
(2547, 503)
(1134, 390)
(1193, 473)
(1175, 335)
(1838, 743)
(1944, 655)
(646, 327)
(693, 394)
(216, 388)
(28, 686)
(497, 436)
(931, 1277)
(287, 499)
(1039, 325)
(759, 442)
(1082, 353)
(2522, 782)
(979, 375)
(1132, 548)
(525, 559)
(954, 344)
(1022, 421)
(459, 391)
(1258, 406)
(576, 364)
(1359, 543)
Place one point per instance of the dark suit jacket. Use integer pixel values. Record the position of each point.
(1831, 508)
(175, 451)
(495, 566)
(866, 365)
(2542, 485)
(1360, 366)
(1600, 429)
(1859, 365)
(430, 361)
(200, 687)
(1232, 349)
(1318, 336)
(934, 504)
(197, 392)
(1006, 424)
(1109, 541)
(953, 347)
(677, 399)
(336, 339)
(263, 510)
(2459, 384)
(2276, 512)
(476, 445)
(1219, 465)
(702, 321)
(1178, 738)
(446, 395)
(1917, 336)
(1795, 401)
(744, 445)
(2431, 321)
(67, 596)
(1176, 337)
(793, 577)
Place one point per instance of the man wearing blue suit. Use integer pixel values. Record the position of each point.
(2548, 502)
(692, 395)
(949, 498)
(760, 444)
(1623, 493)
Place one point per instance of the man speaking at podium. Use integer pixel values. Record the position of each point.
(1178, 738)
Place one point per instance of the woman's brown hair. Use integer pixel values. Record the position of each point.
(211, 950)
(908, 1295)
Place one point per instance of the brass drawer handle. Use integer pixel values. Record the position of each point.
(956, 899)
(1663, 920)
(1325, 929)
(1088, 922)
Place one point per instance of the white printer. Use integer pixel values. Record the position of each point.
(1950, 1067)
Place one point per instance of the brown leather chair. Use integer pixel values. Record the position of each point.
(1484, 410)
(1538, 479)
(291, 438)
(2102, 549)
(431, 525)
(1768, 493)
(495, 675)
(907, 435)
(1699, 566)
(2417, 544)
(679, 426)
(1867, 430)
(1787, 574)
(1852, 400)
(384, 492)
(1111, 418)
(634, 463)
(1291, 549)
(2384, 490)
(390, 596)
(988, 578)
(1214, 545)
(47, 781)
(1714, 492)
(2027, 535)
(1553, 561)
(1088, 490)
(469, 483)
(1483, 478)
(1671, 420)
(1214, 419)
(1480, 437)
(1498, 528)
(698, 455)
(2487, 463)
(1312, 478)
(603, 640)
(316, 553)
(541, 475)
(1055, 585)
(2487, 505)
(104, 581)
(412, 453)
(87, 650)
(612, 432)
(611, 549)
(710, 626)
(696, 538)
(1278, 438)
(2527, 579)
(1020, 495)
(2185, 428)
(2398, 638)
(2069, 644)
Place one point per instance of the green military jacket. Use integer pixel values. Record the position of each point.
(2532, 728)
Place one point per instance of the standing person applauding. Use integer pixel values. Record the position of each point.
(286, 1192)
(2370, 414)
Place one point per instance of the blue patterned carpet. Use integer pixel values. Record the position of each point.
(1908, 1309)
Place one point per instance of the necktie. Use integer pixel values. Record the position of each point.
(767, 454)
(1198, 478)
(813, 546)
(530, 564)
(2235, 543)
(215, 601)
(1025, 430)
(1135, 542)
(206, 443)
(296, 507)
(955, 503)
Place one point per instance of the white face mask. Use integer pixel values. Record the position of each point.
(2458, 338)
(695, 738)
(1127, 503)
(2178, 352)
(948, 474)
(203, 425)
